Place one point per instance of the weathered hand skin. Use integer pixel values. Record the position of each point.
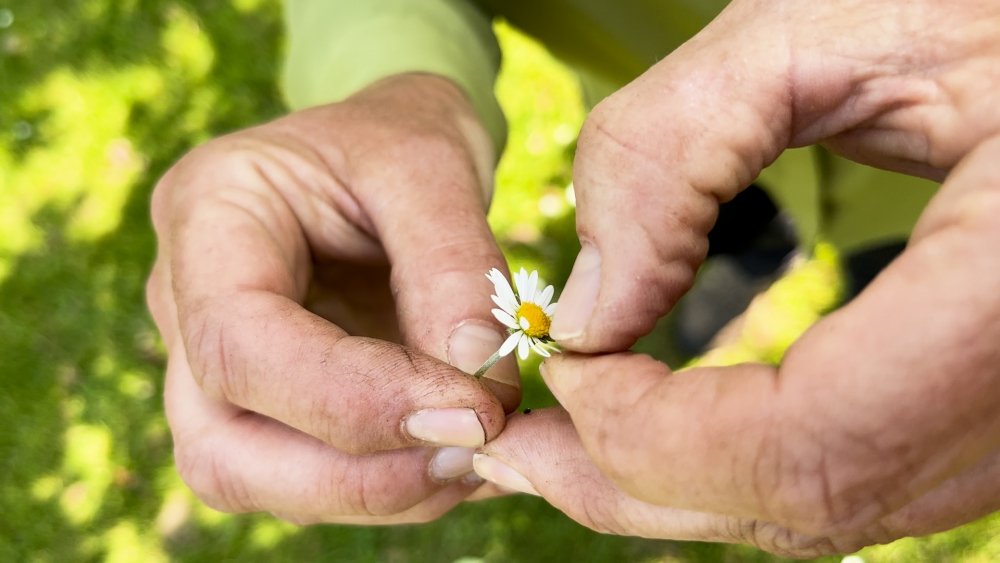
(884, 419)
(294, 260)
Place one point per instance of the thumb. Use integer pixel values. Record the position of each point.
(653, 163)
(426, 197)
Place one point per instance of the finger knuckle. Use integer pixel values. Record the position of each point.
(455, 255)
(610, 453)
(211, 479)
(349, 432)
(597, 515)
(440, 146)
(241, 159)
(614, 445)
(204, 158)
(613, 134)
(598, 511)
(978, 210)
(356, 491)
(211, 351)
(825, 485)
(596, 128)
(777, 539)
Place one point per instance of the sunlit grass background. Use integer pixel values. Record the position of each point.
(97, 99)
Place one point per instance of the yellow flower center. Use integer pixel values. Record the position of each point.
(538, 321)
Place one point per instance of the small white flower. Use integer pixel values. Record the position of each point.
(527, 315)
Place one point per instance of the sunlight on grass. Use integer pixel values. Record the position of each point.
(126, 544)
(84, 159)
(532, 213)
(536, 169)
(777, 317)
(88, 466)
(187, 48)
(269, 533)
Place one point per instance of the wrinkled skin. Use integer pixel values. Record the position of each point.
(294, 260)
(883, 420)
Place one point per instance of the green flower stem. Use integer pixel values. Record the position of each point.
(489, 363)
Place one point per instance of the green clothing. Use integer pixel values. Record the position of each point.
(340, 46)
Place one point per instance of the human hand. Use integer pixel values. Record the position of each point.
(884, 419)
(294, 258)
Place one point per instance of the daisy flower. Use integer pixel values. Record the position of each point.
(526, 314)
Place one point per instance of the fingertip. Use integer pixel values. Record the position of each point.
(565, 374)
(451, 463)
(486, 491)
(502, 475)
(458, 427)
(579, 298)
(614, 298)
(508, 395)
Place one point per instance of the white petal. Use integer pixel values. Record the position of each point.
(550, 310)
(539, 349)
(505, 318)
(550, 346)
(522, 347)
(504, 306)
(509, 344)
(524, 324)
(503, 290)
(493, 280)
(532, 284)
(494, 275)
(521, 281)
(545, 297)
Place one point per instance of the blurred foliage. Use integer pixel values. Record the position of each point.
(777, 317)
(97, 99)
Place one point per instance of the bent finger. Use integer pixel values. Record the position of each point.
(541, 453)
(240, 461)
(427, 510)
(239, 265)
(654, 162)
(876, 405)
(426, 185)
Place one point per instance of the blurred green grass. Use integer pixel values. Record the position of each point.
(97, 99)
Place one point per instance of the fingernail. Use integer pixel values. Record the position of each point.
(471, 345)
(447, 427)
(473, 479)
(501, 474)
(580, 295)
(451, 462)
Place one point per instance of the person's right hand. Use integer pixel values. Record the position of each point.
(883, 419)
(294, 260)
